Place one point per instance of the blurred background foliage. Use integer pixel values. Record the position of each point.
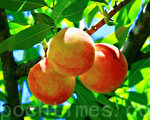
(130, 101)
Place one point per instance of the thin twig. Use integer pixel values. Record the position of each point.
(111, 13)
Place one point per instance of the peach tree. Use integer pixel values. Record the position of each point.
(26, 27)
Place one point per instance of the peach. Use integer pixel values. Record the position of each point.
(108, 71)
(48, 86)
(71, 52)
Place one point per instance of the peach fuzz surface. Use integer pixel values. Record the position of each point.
(48, 86)
(108, 71)
(71, 52)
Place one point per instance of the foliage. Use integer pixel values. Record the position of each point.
(30, 21)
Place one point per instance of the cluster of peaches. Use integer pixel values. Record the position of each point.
(101, 67)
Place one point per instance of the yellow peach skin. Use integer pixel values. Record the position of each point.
(108, 71)
(48, 86)
(71, 52)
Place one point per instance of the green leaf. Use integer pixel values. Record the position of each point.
(88, 102)
(84, 91)
(73, 113)
(46, 111)
(127, 14)
(19, 17)
(105, 14)
(89, 8)
(43, 18)
(102, 10)
(118, 37)
(89, 17)
(119, 113)
(22, 6)
(74, 12)
(134, 10)
(121, 35)
(110, 23)
(115, 114)
(16, 5)
(2, 96)
(1, 74)
(61, 5)
(145, 2)
(123, 113)
(138, 98)
(4, 115)
(104, 100)
(28, 56)
(136, 73)
(26, 38)
(15, 27)
(146, 49)
(140, 113)
(101, 1)
(84, 105)
(143, 85)
(148, 96)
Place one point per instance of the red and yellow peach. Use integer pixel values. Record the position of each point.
(71, 52)
(48, 86)
(108, 71)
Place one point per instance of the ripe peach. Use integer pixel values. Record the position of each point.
(71, 52)
(108, 71)
(48, 86)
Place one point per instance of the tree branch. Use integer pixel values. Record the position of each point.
(8, 67)
(23, 69)
(111, 13)
(137, 36)
(144, 56)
